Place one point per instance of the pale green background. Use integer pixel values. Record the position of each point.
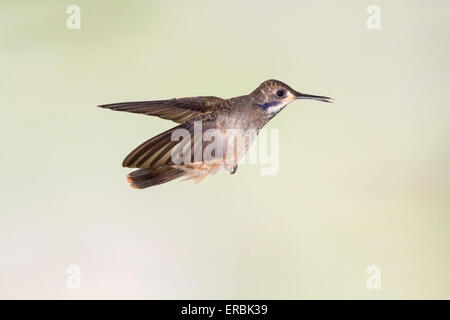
(362, 181)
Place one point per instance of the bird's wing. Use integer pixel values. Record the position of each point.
(179, 110)
(157, 151)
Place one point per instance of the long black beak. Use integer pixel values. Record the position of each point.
(300, 95)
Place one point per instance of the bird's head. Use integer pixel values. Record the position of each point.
(273, 95)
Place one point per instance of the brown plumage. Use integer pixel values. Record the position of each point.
(179, 110)
(248, 113)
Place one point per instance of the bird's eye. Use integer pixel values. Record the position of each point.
(280, 92)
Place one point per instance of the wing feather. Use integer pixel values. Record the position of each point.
(157, 151)
(179, 110)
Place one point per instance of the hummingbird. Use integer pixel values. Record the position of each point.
(154, 158)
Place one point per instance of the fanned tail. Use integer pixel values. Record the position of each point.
(144, 178)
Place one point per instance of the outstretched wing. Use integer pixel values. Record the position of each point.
(179, 110)
(157, 151)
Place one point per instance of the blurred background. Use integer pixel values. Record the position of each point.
(363, 181)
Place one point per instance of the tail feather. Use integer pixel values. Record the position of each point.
(144, 178)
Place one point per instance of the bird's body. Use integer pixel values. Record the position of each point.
(215, 133)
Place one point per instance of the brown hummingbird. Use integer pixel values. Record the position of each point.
(158, 159)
